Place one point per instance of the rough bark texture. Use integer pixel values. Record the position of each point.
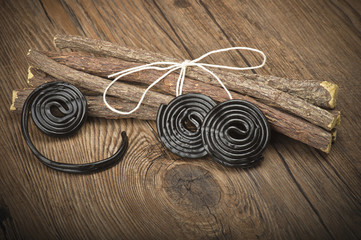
(96, 107)
(264, 93)
(104, 66)
(37, 77)
(284, 123)
(320, 93)
(93, 83)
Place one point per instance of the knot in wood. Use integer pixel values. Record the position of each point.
(192, 187)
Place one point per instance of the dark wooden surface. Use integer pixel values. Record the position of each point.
(297, 192)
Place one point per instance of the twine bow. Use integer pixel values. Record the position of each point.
(173, 66)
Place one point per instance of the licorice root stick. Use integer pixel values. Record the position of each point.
(319, 93)
(92, 82)
(262, 92)
(103, 66)
(284, 123)
(96, 106)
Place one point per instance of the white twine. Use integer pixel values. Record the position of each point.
(173, 66)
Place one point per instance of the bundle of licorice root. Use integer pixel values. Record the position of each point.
(300, 109)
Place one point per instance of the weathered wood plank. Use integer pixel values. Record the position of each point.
(295, 192)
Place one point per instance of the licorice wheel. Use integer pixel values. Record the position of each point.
(235, 133)
(60, 109)
(172, 120)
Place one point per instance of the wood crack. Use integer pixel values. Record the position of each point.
(46, 13)
(224, 33)
(174, 31)
(5, 216)
(324, 160)
(303, 192)
(160, 26)
(73, 17)
(346, 19)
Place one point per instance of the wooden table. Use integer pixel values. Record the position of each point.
(297, 191)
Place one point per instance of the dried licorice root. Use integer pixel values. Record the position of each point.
(60, 109)
(179, 124)
(235, 133)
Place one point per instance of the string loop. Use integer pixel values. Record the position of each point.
(173, 66)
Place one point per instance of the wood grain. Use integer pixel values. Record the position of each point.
(287, 124)
(297, 192)
(256, 89)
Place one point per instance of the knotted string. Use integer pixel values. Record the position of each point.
(173, 66)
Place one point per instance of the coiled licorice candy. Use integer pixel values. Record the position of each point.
(235, 133)
(60, 109)
(175, 122)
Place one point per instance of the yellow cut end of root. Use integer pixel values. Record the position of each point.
(335, 121)
(30, 75)
(28, 52)
(338, 120)
(15, 96)
(334, 136)
(333, 91)
(328, 148)
(332, 124)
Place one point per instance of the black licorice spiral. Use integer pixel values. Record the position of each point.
(235, 133)
(60, 109)
(172, 120)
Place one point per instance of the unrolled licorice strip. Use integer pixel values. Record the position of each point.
(72, 107)
(172, 124)
(235, 133)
